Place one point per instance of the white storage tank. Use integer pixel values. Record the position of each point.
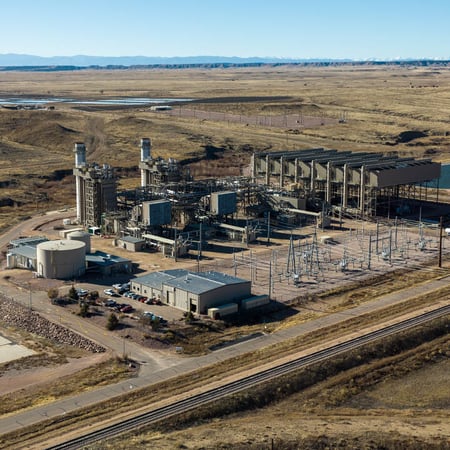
(81, 236)
(62, 259)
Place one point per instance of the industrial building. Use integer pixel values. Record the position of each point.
(131, 243)
(366, 183)
(96, 189)
(64, 259)
(107, 265)
(22, 252)
(192, 291)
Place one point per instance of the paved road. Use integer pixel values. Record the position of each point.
(24, 228)
(153, 373)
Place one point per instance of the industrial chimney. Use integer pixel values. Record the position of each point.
(146, 145)
(80, 154)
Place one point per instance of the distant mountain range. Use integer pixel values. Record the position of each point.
(12, 61)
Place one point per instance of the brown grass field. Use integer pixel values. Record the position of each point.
(362, 108)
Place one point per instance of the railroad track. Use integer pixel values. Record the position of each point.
(190, 403)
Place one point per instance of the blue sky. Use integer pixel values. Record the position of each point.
(355, 29)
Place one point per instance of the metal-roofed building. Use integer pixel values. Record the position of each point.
(22, 256)
(359, 181)
(107, 264)
(131, 243)
(192, 291)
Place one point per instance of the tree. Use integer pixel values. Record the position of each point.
(155, 323)
(93, 295)
(84, 309)
(188, 317)
(52, 294)
(73, 294)
(113, 322)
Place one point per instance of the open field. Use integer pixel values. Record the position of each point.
(362, 108)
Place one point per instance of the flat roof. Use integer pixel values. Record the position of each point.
(131, 239)
(105, 259)
(31, 240)
(28, 251)
(371, 161)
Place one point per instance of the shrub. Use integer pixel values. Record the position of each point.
(113, 322)
(52, 293)
(73, 294)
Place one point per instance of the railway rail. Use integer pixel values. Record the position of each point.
(190, 403)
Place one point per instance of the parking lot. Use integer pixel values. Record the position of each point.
(167, 312)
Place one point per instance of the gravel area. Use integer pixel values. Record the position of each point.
(19, 316)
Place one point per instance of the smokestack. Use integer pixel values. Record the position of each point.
(146, 145)
(80, 154)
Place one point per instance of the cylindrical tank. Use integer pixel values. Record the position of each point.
(81, 236)
(146, 145)
(62, 259)
(80, 154)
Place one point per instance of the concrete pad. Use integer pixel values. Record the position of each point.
(4, 341)
(11, 352)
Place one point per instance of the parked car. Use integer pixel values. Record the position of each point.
(82, 292)
(111, 293)
(110, 303)
(148, 314)
(126, 309)
(117, 286)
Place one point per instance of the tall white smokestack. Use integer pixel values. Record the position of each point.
(146, 146)
(80, 154)
(80, 161)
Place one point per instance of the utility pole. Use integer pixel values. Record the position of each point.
(270, 278)
(440, 241)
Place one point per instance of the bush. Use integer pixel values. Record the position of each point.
(84, 310)
(52, 293)
(113, 322)
(73, 294)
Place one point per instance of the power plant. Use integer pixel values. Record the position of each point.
(172, 213)
(298, 187)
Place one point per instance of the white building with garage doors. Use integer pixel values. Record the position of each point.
(192, 291)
